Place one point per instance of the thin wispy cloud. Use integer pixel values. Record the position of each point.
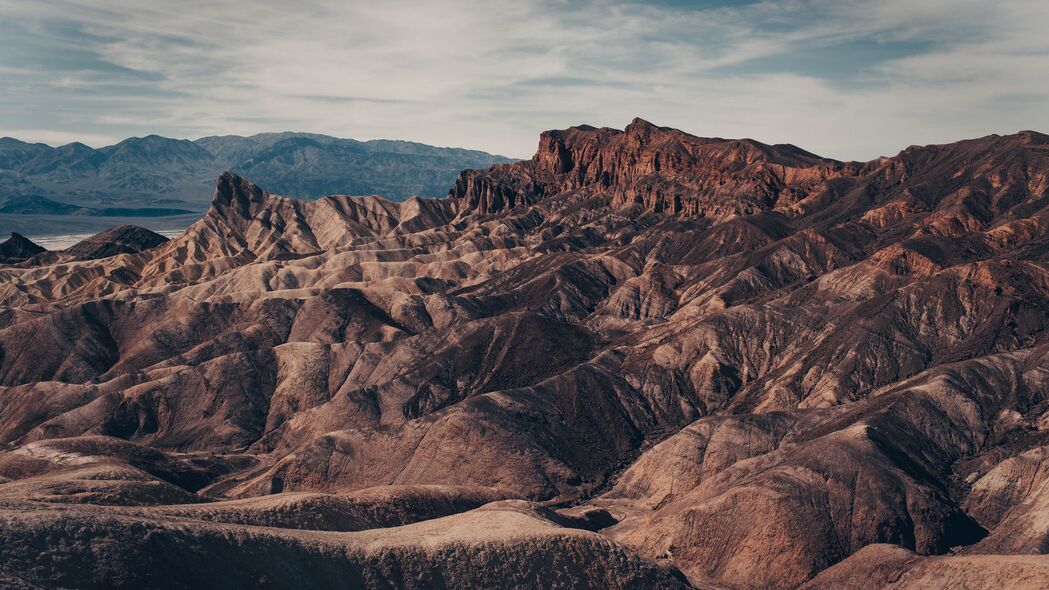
(845, 79)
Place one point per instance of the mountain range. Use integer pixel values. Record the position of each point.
(639, 359)
(155, 176)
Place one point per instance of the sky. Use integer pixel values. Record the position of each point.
(844, 79)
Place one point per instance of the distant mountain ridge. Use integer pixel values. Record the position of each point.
(34, 205)
(162, 176)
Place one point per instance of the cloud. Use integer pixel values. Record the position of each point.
(846, 79)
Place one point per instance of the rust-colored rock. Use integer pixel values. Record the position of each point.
(639, 358)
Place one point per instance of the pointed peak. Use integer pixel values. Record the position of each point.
(236, 193)
(122, 239)
(639, 125)
(19, 247)
(229, 176)
(231, 185)
(17, 238)
(76, 146)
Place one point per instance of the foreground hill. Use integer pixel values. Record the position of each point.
(662, 356)
(157, 176)
(18, 248)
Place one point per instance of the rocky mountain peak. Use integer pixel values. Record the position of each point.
(236, 195)
(123, 239)
(658, 168)
(641, 128)
(18, 248)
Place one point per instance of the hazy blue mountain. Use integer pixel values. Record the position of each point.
(153, 162)
(36, 205)
(308, 165)
(156, 175)
(70, 161)
(14, 153)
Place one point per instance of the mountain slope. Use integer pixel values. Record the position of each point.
(17, 248)
(741, 362)
(306, 165)
(162, 175)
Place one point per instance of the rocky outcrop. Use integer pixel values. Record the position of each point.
(658, 168)
(123, 239)
(18, 248)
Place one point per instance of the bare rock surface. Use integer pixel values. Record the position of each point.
(638, 358)
(890, 566)
(18, 248)
(496, 546)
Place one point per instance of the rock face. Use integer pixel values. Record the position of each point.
(658, 168)
(639, 358)
(18, 248)
(123, 239)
